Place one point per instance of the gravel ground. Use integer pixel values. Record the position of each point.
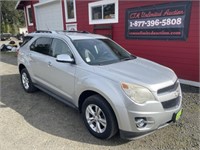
(38, 121)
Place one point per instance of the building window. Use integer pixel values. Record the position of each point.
(70, 10)
(29, 15)
(96, 13)
(103, 12)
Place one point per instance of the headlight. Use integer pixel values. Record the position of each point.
(137, 93)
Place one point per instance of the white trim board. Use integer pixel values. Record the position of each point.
(44, 3)
(188, 82)
(26, 20)
(17, 4)
(28, 17)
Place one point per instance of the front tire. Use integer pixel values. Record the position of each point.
(99, 117)
(26, 81)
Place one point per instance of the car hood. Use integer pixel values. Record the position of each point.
(139, 71)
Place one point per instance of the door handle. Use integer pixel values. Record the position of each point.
(49, 64)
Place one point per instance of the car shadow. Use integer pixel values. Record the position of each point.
(189, 89)
(48, 114)
(11, 58)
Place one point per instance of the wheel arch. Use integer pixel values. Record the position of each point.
(88, 93)
(21, 66)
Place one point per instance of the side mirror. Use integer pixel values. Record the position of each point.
(64, 58)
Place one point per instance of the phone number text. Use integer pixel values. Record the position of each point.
(156, 22)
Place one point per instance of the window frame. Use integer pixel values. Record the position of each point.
(101, 3)
(28, 17)
(66, 12)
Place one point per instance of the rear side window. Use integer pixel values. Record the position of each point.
(26, 39)
(42, 45)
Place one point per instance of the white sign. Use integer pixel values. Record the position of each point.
(72, 27)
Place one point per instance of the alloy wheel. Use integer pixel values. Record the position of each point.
(96, 118)
(25, 80)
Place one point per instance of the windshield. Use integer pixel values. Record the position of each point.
(101, 51)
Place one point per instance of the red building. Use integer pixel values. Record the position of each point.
(166, 32)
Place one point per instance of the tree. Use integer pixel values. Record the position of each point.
(11, 19)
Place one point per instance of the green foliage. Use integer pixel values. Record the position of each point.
(11, 19)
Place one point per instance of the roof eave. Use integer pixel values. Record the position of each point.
(19, 5)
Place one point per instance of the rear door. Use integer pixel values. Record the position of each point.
(40, 53)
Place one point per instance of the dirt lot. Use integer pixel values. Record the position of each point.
(38, 121)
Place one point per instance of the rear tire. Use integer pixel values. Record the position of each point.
(26, 81)
(99, 117)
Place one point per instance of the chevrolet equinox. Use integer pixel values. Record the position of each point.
(114, 90)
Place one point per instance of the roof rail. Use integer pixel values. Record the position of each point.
(43, 31)
(47, 31)
(76, 31)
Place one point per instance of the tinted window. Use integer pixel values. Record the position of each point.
(42, 45)
(60, 47)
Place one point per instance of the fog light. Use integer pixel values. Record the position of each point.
(140, 122)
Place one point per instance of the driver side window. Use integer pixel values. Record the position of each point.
(60, 47)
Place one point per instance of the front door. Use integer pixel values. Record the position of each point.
(61, 75)
(47, 72)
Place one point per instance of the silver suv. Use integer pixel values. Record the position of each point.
(114, 90)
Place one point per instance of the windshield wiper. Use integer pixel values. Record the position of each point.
(125, 59)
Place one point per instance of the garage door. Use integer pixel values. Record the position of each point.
(49, 16)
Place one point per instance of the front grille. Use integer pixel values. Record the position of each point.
(169, 88)
(171, 103)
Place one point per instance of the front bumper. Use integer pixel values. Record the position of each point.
(136, 135)
(155, 116)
